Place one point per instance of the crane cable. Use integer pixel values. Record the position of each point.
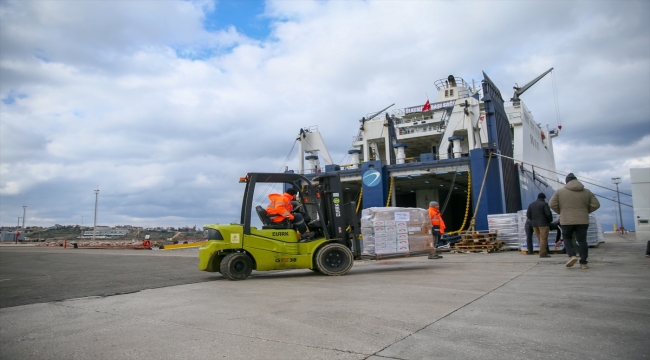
(563, 174)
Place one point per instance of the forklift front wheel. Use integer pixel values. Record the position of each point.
(334, 259)
(236, 266)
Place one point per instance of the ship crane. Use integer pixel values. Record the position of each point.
(520, 90)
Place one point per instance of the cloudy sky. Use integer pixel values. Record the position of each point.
(163, 105)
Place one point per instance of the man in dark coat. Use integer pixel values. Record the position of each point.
(540, 216)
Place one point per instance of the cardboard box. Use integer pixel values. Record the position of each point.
(397, 230)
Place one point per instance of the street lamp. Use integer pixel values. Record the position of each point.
(617, 180)
(95, 225)
(24, 213)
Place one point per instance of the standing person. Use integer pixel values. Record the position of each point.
(528, 227)
(555, 225)
(540, 216)
(574, 203)
(437, 227)
(529, 238)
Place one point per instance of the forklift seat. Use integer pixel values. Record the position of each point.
(267, 223)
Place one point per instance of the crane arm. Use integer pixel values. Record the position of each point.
(521, 90)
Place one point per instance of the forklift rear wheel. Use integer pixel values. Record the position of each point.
(236, 266)
(334, 259)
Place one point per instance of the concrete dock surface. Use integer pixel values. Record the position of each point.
(501, 305)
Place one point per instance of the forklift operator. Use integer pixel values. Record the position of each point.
(280, 209)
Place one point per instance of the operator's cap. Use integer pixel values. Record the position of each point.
(570, 177)
(433, 203)
(291, 191)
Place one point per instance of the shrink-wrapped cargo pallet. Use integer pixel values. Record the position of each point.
(505, 225)
(594, 233)
(389, 230)
(521, 221)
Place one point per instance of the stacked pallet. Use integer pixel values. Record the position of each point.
(478, 241)
(594, 233)
(507, 229)
(521, 216)
(394, 230)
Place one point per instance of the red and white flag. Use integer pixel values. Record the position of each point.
(427, 106)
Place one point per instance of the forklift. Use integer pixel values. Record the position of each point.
(332, 244)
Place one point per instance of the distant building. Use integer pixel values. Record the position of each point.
(7, 235)
(103, 232)
(640, 179)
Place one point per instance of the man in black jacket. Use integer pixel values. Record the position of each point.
(540, 216)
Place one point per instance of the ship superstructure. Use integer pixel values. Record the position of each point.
(442, 151)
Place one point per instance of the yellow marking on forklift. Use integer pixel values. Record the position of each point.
(184, 246)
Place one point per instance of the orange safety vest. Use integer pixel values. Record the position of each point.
(280, 205)
(436, 219)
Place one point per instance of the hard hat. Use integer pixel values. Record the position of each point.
(433, 204)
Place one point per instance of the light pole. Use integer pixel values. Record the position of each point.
(95, 226)
(24, 213)
(617, 180)
(615, 219)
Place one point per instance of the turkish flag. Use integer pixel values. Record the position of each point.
(426, 106)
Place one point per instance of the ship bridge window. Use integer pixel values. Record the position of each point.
(446, 93)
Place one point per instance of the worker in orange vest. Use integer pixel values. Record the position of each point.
(280, 209)
(437, 227)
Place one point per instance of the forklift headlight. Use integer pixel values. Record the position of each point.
(214, 234)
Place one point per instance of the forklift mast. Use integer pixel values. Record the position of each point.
(341, 219)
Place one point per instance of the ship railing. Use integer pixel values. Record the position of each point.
(442, 84)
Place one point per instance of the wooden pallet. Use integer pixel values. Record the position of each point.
(483, 242)
(477, 250)
(395, 255)
(478, 236)
(484, 246)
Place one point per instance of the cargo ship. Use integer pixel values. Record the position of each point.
(469, 150)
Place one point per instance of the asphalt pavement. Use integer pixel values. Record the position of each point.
(137, 304)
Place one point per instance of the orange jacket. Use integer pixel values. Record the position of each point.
(280, 205)
(436, 219)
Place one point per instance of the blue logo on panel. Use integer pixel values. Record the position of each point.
(371, 178)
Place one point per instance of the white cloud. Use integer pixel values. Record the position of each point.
(106, 93)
